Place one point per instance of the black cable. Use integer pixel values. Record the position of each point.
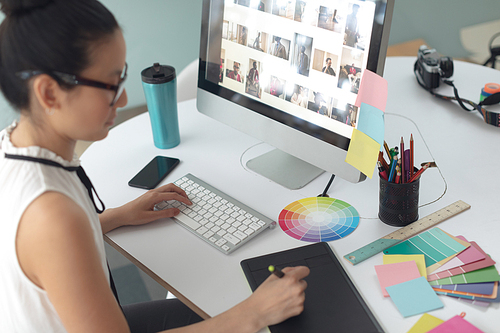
(327, 187)
(494, 52)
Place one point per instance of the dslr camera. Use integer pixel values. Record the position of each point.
(430, 67)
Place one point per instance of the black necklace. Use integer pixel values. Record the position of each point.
(86, 182)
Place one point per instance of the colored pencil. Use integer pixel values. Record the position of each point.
(381, 159)
(387, 150)
(402, 161)
(419, 172)
(382, 171)
(393, 168)
(412, 165)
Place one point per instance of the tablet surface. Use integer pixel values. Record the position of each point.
(333, 304)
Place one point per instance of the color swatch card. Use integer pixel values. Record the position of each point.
(318, 219)
(437, 246)
(473, 289)
(459, 294)
(419, 259)
(425, 324)
(475, 299)
(391, 274)
(488, 274)
(467, 256)
(456, 324)
(486, 262)
(414, 297)
(472, 301)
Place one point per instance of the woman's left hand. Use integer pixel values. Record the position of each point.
(141, 210)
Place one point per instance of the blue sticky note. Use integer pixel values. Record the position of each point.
(371, 122)
(414, 297)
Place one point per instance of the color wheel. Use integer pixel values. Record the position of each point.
(318, 219)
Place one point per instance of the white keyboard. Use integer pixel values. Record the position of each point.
(215, 217)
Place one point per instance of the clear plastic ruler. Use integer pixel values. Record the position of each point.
(406, 232)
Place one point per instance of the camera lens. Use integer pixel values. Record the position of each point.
(446, 65)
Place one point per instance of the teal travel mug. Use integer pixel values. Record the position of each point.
(160, 88)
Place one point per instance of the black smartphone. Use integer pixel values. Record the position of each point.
(154, 172)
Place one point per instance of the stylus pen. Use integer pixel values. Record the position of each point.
(276, 271)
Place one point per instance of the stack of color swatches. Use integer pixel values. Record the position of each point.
(435, 263)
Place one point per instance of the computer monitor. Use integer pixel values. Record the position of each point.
(287, 72)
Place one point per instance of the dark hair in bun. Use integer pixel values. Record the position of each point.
(48, 36)
(18, 7)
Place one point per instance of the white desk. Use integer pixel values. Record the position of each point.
(464, 147)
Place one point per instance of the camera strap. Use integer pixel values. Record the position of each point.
(492, 118)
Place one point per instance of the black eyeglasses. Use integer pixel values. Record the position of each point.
(75, 80)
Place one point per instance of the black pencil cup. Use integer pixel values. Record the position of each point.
(398, 203)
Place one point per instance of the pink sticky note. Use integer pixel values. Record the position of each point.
(372, 91)
(456, 324)
(392, 274)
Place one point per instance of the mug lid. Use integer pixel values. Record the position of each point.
(158, 74)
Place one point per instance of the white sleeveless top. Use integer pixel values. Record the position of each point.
(24, 307)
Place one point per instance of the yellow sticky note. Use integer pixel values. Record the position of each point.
(425, 324)
(419, 259)
(363, 153)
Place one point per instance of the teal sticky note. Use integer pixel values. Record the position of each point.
(414, 297)
(371, 122)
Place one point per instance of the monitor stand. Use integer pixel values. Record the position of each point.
(284, 169)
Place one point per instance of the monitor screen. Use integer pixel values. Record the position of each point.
(294, 62)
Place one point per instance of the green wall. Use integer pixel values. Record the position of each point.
(168, 31)
(439, 22)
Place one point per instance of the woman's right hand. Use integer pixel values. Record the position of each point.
(278, 299)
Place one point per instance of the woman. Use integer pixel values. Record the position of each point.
(62, 65)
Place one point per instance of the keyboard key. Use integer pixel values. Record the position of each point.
(232, 239)
(240, 235)
(201, 230)
(254, 226)
(187, 221)
(161, 205)
(208, 234)
(221, 242)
